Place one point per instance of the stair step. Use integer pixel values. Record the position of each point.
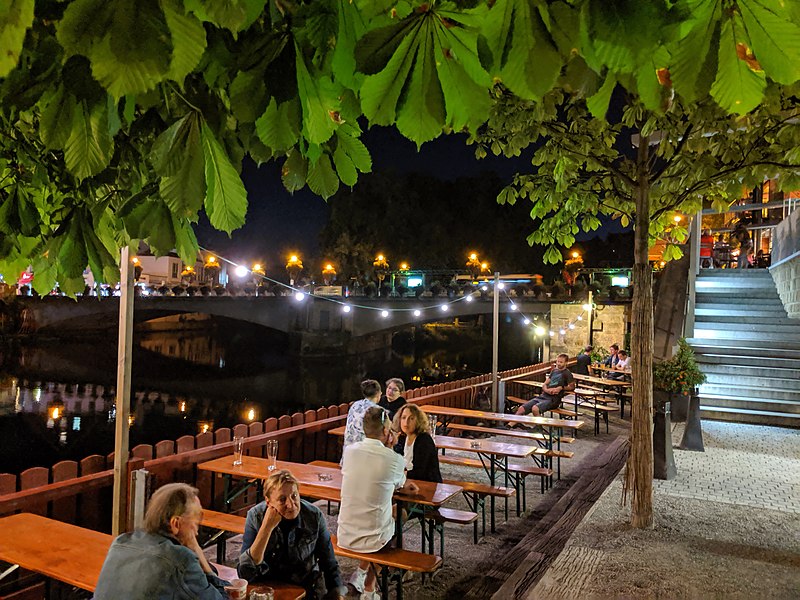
(734, 273)
(740, 316)
(730, 371)
(793, 327)
(744, 380)
(772, 338)
(733, 292)
(742, 403)
(785, 349)
(714, 357)
(744, 305)
(734, 389)
(761, 417)
(712, 283)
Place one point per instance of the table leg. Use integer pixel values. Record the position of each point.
(398, 525)
(491, 479)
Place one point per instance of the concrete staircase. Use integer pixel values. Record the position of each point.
(748, 348)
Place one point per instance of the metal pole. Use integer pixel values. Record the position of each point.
(591, 318)
(119, 518)
(694, 269)
(496, 343)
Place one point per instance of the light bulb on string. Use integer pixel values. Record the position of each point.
(469, 298)
(444, 307)
(572, 326)
(384, 313)
(501, 286)
(580, 317)
(540, 331)
(587, 307)
(417, 313)
(485, 287)
(346, 308)
(552, 333)
(526, 321)
(513, 306)
(561, 331)
(299, 296)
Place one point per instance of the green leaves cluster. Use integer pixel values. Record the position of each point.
(116, 105)
(679, 374)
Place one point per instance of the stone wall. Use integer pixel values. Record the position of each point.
(787, 279)
(786, 240)
(610, 320)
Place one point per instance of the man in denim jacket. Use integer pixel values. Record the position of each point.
(287, 539)
(164, 560)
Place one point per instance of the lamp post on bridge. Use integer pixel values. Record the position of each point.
(328, 274)
(381, 268)
(293, 268)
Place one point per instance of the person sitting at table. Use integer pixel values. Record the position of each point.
(393, 399)
(622, 366)
(418, 448)
(612, 358)
(371, 473)
(583, 362)
(558, 381)
(163, 560)
(354, 430)
(287, 539)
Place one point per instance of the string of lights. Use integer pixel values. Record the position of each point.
(347, 304)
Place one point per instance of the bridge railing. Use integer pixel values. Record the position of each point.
(79, 492)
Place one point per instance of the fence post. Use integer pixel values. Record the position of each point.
(140, 481)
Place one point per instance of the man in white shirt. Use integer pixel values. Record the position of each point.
(371, 473)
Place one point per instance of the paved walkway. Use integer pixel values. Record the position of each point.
(747, 465)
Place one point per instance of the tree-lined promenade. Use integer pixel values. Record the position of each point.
(122, 121)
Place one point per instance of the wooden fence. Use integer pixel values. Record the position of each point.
(80, 492)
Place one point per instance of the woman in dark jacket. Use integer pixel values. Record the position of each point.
(393, 399)
(419, 449)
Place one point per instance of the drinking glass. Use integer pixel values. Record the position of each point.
(266, 593)
(272, 454)
(432, 425)
(238, 449)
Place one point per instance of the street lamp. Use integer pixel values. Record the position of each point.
(474, 265)
(328, 274)
(294, 267)
(485, 270)
(381, 268)
(212, 267)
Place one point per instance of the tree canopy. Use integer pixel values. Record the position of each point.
(121, 120)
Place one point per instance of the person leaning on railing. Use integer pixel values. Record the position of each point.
(163, 560)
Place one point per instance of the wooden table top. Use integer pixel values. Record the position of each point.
(487, 447)
(70, 553)
(601, 381)
(328, 488)
(504, 417)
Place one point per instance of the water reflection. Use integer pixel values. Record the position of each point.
(57, 397)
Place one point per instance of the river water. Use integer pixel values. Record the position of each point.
(57, 396)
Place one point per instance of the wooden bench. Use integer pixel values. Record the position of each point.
(388, 559)
(515, 432)
(222, 523)
(476, 493)
(518, 473)
(599, 409)
(570, 414)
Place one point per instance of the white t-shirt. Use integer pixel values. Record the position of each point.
(624, 364)
(408, 455)
(371, 473)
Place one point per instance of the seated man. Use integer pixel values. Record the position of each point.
(287, 539)
(612, 358)
(371, 473)
(558, 381)
(623, 366)
(164, 559)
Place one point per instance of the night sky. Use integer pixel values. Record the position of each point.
(279, 223)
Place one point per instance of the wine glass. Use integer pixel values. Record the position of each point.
(272, 454)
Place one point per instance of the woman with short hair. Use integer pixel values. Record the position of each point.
(287, 539)
(393, 399)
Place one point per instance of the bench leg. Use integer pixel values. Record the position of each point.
(605, 418)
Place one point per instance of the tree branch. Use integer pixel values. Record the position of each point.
(677, 151)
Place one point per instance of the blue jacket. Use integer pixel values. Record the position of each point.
(303, 557)
(148, 566)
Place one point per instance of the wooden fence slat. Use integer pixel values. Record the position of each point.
(240, 430)
(31, 478)
(308, 443)
(203, 478)
(284, 452)
(8, 483)
(255, 428)
(92, 503)
(65, 509)
(165, 448)
(143, 451)
(320, 439)
(221, 435)
(296, 445)
(331, 443)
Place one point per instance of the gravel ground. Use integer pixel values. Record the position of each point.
(697, 548)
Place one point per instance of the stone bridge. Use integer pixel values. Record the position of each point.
(283, 313)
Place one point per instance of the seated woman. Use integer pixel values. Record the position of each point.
(286, 539)
(419, 449)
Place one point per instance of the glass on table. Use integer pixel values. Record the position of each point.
(266, 593)
(272, 454)
(238, 450)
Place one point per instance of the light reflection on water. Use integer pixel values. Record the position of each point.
(57, 398)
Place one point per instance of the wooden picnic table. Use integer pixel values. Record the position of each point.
(323, 483)
(617, 387)
(72, 554)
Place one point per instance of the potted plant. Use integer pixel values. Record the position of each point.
(675, 380)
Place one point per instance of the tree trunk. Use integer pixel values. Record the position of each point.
(639, 475)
